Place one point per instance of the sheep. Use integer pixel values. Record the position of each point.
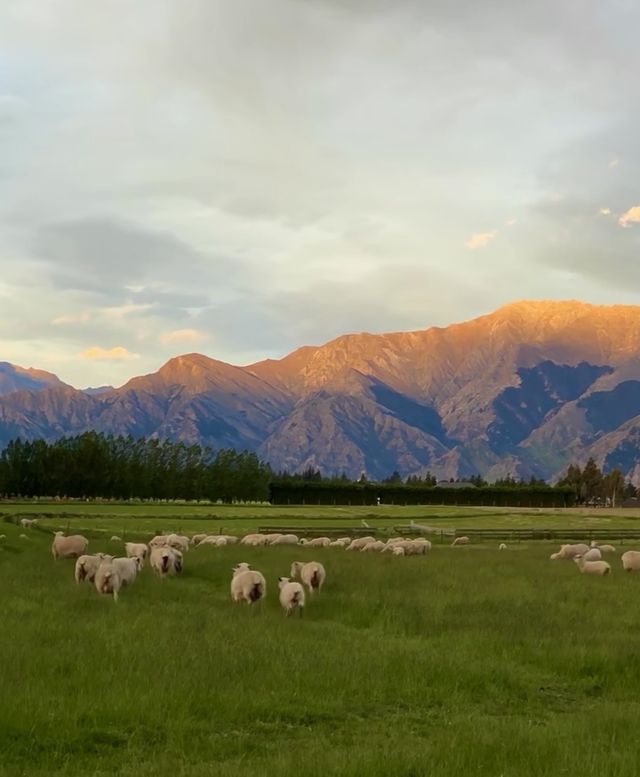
(359, 543)
(253, 539)
(214, 539)
(3, 536)
(312, 574)
(502, 546)
(159, 541)
(23, 537)
(291, 596)
(398, 550)
(178, 542)
(271, 538)
(232, 539)
(286, 539)
(571, 551)
(166, 561)
(606, 549)
(317, 542)
(460, 541)
(127, 569)
(247, 585)
(631, 560)
(592, 567)
(421, 545)
(115, 538)
(341, 542)
(87, 566)
(27, 523)
(592, 555)
(107, 580)
(136, 550)
(68, 547)
(373, 547)
(197, 538)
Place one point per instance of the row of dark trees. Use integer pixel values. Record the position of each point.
(592, 486)
(94, 465)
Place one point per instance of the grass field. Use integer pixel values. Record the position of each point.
(465, 662)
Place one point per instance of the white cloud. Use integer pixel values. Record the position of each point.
(632, 216)
(613, 163)
(72, 318)
(117, 353)
(511, 222)
(481, 239)
(604, 212)
(182, 336)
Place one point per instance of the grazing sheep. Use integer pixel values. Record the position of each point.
(422, 546)
(631, 560)
(127, 569)
(317, 542)
(592, 555)
(166, 561)
(253, 539)
(218, 540)
(571, 551)
(136, 550)
(502, 546)
(373, 547)
(247, 585)
(341, 542)
(359, 543)
(286, 539)
(107, 580)
(27, 523)
(312, 574)
(460, 541)
(291, 596)
(592, 567)
(115, 538)
(271, 538)
(178, 542)
(87, 566)
(197, 538)
(68, 547)
(606, 549)
(398, 550)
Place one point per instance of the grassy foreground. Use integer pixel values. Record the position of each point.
(469, 661)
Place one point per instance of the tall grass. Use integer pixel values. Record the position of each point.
(469, 661)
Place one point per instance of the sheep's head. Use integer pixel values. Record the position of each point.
(282, 581)
(295, 568)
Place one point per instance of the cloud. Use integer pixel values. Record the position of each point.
(604, 212)
(511, 222)
(117, 353)
(613, 163)
(481, 239)
(632, 216)
(72, 318)
(182, 336)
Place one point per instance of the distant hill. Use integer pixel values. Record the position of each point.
(521, 391)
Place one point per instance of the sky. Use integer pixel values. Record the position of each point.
(242, 178)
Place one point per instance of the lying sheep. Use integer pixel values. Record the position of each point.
(127, 569)
(247, 585)
(398, 550)
(253, 539)
(87, 566)
(271, 538)
(68, 547)
(592, 555)
(107, 580)
(631, 561)
(592, 567)
(606, 549)
(3, 536)
(217, 540)
(460, 541)
(166, 561)
(341, 542)
(136, 550)
(115, 538)
(24, 537)
(571, 551)
(502, 546)
(359, 543)
(312, 574)
(373, 547)
(287, 539)
(197, 538)
(291, 596)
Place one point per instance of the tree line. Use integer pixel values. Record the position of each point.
(93, 465)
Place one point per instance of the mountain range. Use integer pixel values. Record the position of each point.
(524, 391)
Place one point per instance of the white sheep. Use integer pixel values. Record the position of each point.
(107, 580)
(606, 549)
(592, 567)
(179, 542)
(460, 541)
(127, 569)
(287, 539)
(341, 542)
(592, 555)
(502, 546)
(159, 541)
(136, 550)
(312, 574)
(3, 536)
(631, 560)
(247, 585)
(359, 543)
(253, 539)
(87, 566)
(166, 561)
(218, 540)
(291, 596)
(27, 523)
(197, 538)
(271, 538)
(373, 547)
(317, 542)
(571, 551)
(422, 545)
(398, 550)
(24, 537)
(115, 538)
(68, 547)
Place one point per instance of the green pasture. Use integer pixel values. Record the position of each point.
(468, 661)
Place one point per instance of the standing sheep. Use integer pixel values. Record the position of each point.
(166, 561)
(312, 574)
(247, 585)
(631, 561)
(87, 566)
(592, 567)
(107, 580)
(291, 596)
(68, 547)
(136, 550)
(127, 569)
